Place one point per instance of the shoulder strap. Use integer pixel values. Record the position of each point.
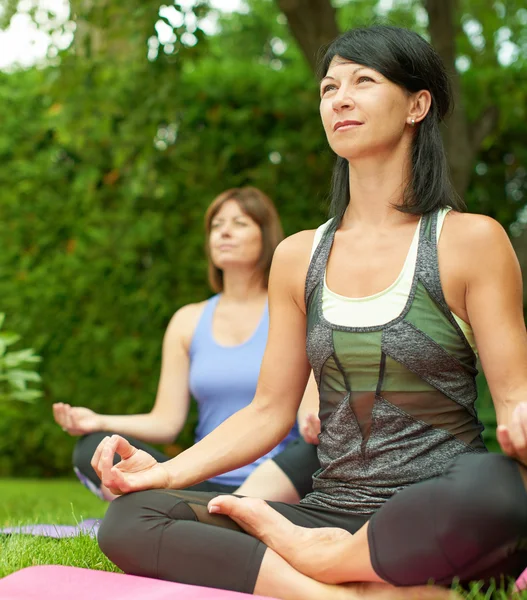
(317, 265)
(428, 270)
(203, 331)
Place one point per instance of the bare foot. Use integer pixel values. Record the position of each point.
(384, 591)
(313, 552)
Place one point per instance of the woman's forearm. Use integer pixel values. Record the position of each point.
(240, 440)
(150, 428)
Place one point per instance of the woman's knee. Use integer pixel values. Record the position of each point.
(486, 489)
(132, 529)
(460, 524)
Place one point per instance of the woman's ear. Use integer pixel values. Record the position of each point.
(419, 106)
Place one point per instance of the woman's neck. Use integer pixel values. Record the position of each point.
(243, 286)
(376, 188)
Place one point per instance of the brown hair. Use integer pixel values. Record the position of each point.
(260, 208)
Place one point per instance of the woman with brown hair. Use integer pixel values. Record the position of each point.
(212, 350)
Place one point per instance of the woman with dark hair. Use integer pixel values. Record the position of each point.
(212, 350)
(388, 303)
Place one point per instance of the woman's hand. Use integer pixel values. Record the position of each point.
(76, 420)
(309, 427)
(513, 437)
(136, 471)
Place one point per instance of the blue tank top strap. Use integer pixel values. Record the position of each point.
(203, 331)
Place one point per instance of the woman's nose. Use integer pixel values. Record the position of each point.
(343, 99)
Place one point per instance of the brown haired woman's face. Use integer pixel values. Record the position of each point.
(235, 239)
(363, 113)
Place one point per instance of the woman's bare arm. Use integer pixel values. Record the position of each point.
(254, 430)
(494, 306)
(166, 419)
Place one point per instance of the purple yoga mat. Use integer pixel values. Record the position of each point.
(87, 527)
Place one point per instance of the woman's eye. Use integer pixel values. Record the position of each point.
(328, 87)
(364, 78)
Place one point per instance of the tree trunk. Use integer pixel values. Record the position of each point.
(462, 139)
(312, 23)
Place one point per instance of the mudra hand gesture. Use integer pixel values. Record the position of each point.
(76, 420)
(136, 471)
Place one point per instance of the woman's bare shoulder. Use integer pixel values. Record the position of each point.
(290, 266)
(480, 240)
(184, 321)
(475, 231)
(296, 247)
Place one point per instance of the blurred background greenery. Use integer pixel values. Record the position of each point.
(112, 146)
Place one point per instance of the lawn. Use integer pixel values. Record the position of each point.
(66, 502)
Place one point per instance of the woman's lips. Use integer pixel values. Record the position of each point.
(345, 125)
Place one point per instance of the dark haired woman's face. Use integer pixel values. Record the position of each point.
(363, 113)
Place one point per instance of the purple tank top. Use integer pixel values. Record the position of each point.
(223, 381)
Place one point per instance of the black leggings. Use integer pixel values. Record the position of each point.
(298, 461)
(468, 524)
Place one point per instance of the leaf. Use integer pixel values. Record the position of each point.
(9, 338)
(26, 395)
(24, 375)
(14, 359)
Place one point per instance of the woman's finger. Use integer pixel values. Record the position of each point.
(313, 429)
(96, 458)
(73, 417)
(517, 434)
(521, 411)
(106, 461)
(504, 440)
(67, 416)
(123, 447)
(58, 413)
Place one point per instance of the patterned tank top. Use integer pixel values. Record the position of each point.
(396, 400)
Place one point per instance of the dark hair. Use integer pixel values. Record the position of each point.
(407, 60)
(260, 208)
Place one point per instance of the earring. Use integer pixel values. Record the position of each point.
(412, 122)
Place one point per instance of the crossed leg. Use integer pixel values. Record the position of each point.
(170, 535)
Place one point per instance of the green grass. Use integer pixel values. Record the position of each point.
(66, 502)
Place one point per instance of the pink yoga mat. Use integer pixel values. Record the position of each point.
(53, 582)
(521, 582)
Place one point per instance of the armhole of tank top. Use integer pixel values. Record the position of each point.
(464, 327)
(443, 212)
(319, 234)
(206, 312)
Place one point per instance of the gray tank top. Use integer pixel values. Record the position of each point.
(396, 400)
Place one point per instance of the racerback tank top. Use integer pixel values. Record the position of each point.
(396, 399)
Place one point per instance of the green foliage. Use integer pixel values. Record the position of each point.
(107, 163)
(14, 376)
(102, 225)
